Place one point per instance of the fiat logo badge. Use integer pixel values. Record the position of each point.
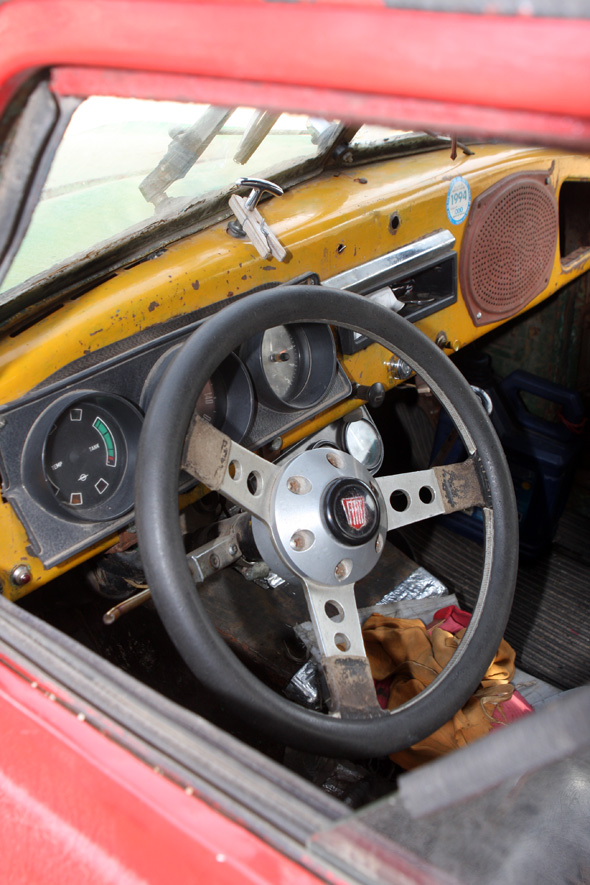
(356, 511)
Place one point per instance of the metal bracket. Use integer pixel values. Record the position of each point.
(250, 222)
(262, 238)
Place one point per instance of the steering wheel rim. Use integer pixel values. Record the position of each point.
(169, 577)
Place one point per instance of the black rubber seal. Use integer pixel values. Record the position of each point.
(164, 558)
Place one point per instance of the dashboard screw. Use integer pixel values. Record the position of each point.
(343, 569)
(399, 370)
(302, 540)
(214, 560)
(20, 575)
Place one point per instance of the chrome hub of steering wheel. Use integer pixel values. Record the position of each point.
(324, 521)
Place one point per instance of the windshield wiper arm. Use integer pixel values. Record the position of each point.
(258, 128)
(183, 152)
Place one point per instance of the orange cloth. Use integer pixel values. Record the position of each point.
(405, 653)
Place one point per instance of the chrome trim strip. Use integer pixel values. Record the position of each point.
(399, 263)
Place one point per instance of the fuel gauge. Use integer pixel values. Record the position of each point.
(88, 455)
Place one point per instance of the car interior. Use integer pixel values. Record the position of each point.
(264, 377)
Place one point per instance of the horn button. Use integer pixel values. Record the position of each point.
(351, 511)
(327, 520)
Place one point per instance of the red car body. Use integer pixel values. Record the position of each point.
(79, 800)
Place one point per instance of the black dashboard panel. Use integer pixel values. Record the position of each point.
(68, 449)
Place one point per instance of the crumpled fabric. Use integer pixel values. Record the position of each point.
(406, 656)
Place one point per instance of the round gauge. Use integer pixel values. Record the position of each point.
(363, 441)
(85, 446)
(208, 403)
(292, 366)
(282, 360)
(227, 400)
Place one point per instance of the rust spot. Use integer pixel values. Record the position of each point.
(460, 486)
(245, 276)
(153, 306)
(195, 285)
(269, 267)
(126, 540)
(229, 294)
(96, 332)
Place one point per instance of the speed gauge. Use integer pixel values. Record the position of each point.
(283, 360)
(292, 366)
(226, 400)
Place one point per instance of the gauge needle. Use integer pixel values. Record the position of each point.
(281, 357)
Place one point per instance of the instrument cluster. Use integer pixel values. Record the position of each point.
(68, 448)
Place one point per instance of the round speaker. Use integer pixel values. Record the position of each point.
(508, 248)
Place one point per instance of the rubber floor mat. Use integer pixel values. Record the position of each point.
(550, 621)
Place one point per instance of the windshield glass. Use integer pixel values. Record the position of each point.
(125, 162)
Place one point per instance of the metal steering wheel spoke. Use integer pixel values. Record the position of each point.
(337, 628)
(422, 494)
(223, 465)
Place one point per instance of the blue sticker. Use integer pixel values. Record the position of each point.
(458, 200)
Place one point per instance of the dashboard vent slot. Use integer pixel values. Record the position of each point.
(508, 249)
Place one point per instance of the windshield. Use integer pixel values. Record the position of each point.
(125, 162)
(125, 165)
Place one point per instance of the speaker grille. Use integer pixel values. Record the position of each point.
(509, 246)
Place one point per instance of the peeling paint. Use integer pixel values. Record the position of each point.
(195, 285)
(153, 306)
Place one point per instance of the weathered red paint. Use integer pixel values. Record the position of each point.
(441, 116)
(75, 806)
(428, 61)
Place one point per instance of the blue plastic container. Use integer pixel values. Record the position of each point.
(541, 455)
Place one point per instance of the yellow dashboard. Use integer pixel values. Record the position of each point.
(456, 246)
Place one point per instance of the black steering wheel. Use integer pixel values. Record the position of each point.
(321, 517)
